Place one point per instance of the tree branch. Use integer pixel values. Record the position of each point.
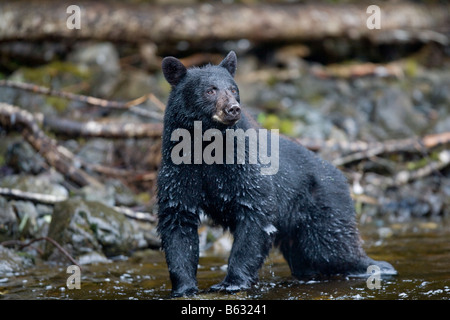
(404, 177)
(93, 101)
(31, 196)
(391, 146)
(103, 130)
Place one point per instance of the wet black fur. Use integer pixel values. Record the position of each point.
(307, 201)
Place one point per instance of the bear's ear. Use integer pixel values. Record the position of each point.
(173, 70)
(230, 63)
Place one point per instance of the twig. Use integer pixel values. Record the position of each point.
(56, 244)
(104, 130)
(404, 145)
(31, 196)
(137, 215)
(161, 106)
(403, 177)
(93, 101)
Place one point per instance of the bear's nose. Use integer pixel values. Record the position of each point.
(233, 110)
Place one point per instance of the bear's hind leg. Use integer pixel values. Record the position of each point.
(311, 253)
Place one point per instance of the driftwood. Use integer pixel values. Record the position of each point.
(421, 145)
(104, 130)
(405, 176)
(138, 23)
(94, 128)
(31, 196)
(56, 155)
(93, 101)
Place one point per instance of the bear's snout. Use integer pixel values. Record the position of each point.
(233, 111)
(228, 109)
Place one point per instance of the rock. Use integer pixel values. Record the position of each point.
(9, 225)
(28, 219)
(223, 245)
(44, 184)
(97, 151)
(27, 215)
(395, 117)
(22, 158)
(103, 56)
(385, 232)
(443, 125)
(149, 54)
(103, 60)
(11, 263)
(123, 196)
(132, 85)
(112, 193)
(103, 194)
(92, 257)
(84, 227)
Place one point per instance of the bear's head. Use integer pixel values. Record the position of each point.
(208, 94)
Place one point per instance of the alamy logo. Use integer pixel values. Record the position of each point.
(74, 20)
(74, 280)
(374, 280)
(374, 20)
(260, 144)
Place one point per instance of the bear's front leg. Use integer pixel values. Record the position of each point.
(251, 246)
(179, 238)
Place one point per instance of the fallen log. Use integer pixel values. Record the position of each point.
(138, 23)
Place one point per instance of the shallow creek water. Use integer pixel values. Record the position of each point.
(419, 250)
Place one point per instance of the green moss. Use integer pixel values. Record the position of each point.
(44, 75)
(411, 67)
(287, 127)
(272, 121)
(58, 104)
(143, 197)
(423, 162)
(272, 80)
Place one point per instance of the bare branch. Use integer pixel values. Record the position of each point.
(93, 101)
(104, 130)
(31, 196)
(391, 146)
(57, 156)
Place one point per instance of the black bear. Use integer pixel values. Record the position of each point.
(303, 205)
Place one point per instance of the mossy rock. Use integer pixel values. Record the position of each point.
(83, 227)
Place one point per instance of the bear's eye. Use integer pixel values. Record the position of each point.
(233, 90)
(211, 91)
